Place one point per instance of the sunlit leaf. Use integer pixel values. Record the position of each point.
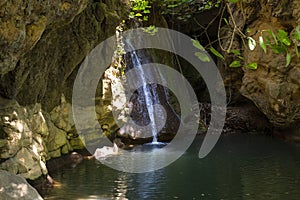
(197, 44)
(251, 43)
(235, 63)
(138, 15)
(233, 1)
(216, 53)
(262, 44)
(252, 65)
(283, 37)
(288, 59)
(202, 56)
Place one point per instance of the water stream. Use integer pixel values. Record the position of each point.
(147, 94)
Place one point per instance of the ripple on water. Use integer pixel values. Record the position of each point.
(239, 167)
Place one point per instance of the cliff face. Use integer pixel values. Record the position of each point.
(41, 54)
(42, 44)
(273, 87)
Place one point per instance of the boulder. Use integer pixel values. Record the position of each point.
(16, 187)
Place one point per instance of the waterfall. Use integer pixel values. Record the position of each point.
(149, 96)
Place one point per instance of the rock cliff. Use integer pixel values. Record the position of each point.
(42, 44)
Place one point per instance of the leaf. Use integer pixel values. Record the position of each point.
(138, 15)
(202, 56)
(252, 65)
(197, 44)
(236, 52)
(288, 59)
(296, 50)
(251, 43)
(278, 49)
(226, 21)
(297, 33)
(262, 44)
(216, 53)
(241, 57)
(233, 1)
(235, 63)
(283, 37)
(273, 36)
(145, 18)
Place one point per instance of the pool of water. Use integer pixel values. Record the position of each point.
(239, 167)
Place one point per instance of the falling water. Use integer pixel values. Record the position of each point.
(147, 94)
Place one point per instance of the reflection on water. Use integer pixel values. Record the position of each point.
(121, 188)
(239, 167)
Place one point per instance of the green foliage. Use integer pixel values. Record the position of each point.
(197, 44)
(235, 63)
(173, 3)
(280, 43)
(288, 59)
(152, 30)
(296, 34)
(216, 53)
(211, 4)
(283, 37)
(201, 55)
(140, 9)
(262, 44)
(252, 65)
(239, 60)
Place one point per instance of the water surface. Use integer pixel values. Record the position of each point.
(239, 167)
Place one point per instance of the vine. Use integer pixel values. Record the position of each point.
(278, 43)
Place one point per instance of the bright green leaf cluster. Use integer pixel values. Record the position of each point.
(140, 9)
(279, 43)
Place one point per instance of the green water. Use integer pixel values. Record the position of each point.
(239, 167)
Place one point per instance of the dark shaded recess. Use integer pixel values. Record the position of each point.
(3, 134)
(195, 25)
